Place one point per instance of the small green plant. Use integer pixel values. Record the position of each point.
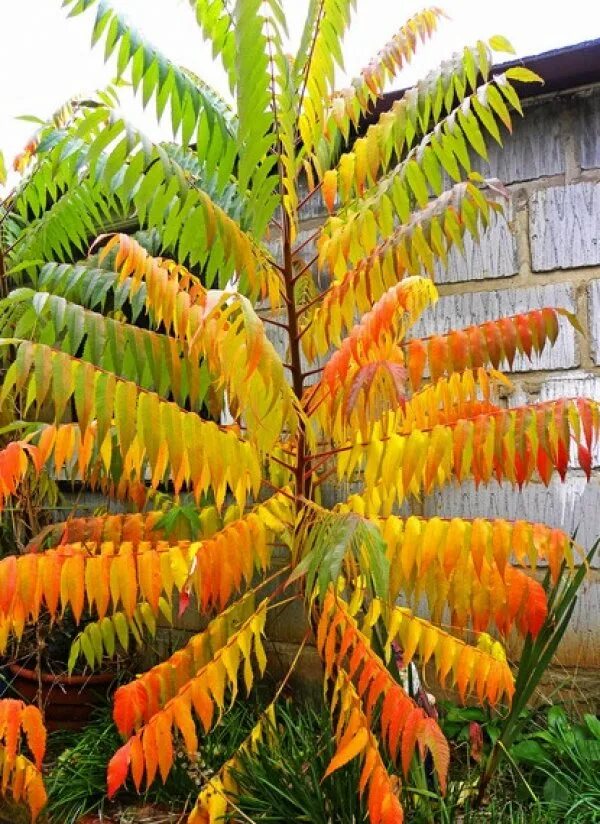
(563, 762)
(282, 780)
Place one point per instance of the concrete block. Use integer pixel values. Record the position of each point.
(494, 255)
(588, 122)
(314, 207)
(457, 311)
(280, 340)
(534, 149)
(304, 236)
(594, 318)
(580, 646)
(308, 674)
(564, 227)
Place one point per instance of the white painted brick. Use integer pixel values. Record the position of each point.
(564, 227)
(280, 340)
(572, 505)
(594, 318)
(494, 255)
(277, 336)
(304, 235)
(456, 311)
(575, 385)
(307, 253)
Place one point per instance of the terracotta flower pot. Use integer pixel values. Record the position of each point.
(68, 700)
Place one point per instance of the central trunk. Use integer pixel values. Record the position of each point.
(302, 482)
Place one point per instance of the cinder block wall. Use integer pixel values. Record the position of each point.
(545, 252)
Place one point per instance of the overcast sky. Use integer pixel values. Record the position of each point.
(46, 58)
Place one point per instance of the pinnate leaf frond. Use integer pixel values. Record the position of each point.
(419, 174)
(15, 461)
(93, 287)
(462, 395)
(345, 649)
(138, 701)
(349, 105)
(135, 528)
(131, 527)
(465, 566)
(22, 778)
(514, 445)
(223, 328)
(354, 409)
(349, 377)
(217, 26)
(151, 748)
(195, 109)
(320, 52)
(355, 739)
(64, 231)
(106, 636)
(481, 669)
(409, 250)
(420, 110)
(341, 544)
(258, 37)
(212, 803)
(494, 342)
(146, 429)
(105, 578)
(154, 361)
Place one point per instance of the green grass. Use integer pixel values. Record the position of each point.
(76, 781)
(551, 776)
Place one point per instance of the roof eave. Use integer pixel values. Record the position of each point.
(562, 69)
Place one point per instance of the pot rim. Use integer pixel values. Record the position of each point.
(49, 678)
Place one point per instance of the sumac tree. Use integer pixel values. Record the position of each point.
(116, 404)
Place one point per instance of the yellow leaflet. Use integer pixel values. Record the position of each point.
(231, 656)
(179, 564)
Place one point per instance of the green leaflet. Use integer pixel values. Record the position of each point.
(216, 24)
(256, 38)
(324, 31)
(206, 457)
(345, 108)
(151, 360)
(192, 105)
(343, 544)
(64, 231)
(99, 639)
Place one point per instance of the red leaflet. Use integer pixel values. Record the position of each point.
(117, 770)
